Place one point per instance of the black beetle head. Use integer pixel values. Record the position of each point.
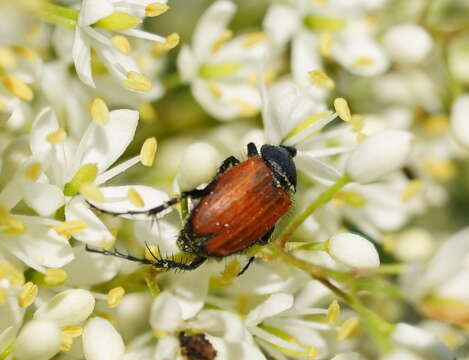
(280, 160)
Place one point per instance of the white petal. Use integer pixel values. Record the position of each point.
(81, 54)
(43, 198)
(187, 64)
(161, 232)
(280, 23)
(89, 269)
(275, 304)
(7, 337)
(96, 234)
(218, 108)
(103, 145)
(459, 120)
(39, 246)
(210, 27)
(166, 314)
(417, 45)
(44, 124)
(347, 356)
(143, 35)
(117, 200)
(316, 169)
(272, 127)
(38, 340)
(102, 341)
(167, 348)
(353, 251)
(93, 10)
(68, 308)
(221, 323)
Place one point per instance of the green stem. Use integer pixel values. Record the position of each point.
(59, 15)
(323, 198)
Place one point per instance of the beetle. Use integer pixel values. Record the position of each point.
(237, 209)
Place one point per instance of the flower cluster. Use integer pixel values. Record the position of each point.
(108, 129)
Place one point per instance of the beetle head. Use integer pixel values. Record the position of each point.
(280, 160)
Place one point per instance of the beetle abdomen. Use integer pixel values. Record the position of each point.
(241, 208)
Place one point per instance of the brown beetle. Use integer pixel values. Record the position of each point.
(237, 209)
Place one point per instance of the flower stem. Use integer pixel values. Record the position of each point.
(320, 200)
(58, 15)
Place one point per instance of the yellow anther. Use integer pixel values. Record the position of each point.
(171, 42)
(12, 274)
(25, 52)
(245, 108)
(33, 171)
(148, 152)
(84, 175)
(108, 243)
(99, 111)
(357, 122)
(68, 334)
(18, 88)
(253, 38)
(3, 297)
(348, 329)
(92, 192)
(68, 228)
(114, 296)
(160, 334)
(213, 88)
(436, 124)
(152, 252)
(363, 61)
(312, 352)
(156, 9)
(389, 243)
(412, 189)
(54, 277)
(138, 82)
(147, 113)
(7, 58)
(10, 224)
(118, 21)
(321, 79)
(361, 136)
(230, 272)
(333, 312)
(342, 109)
(325, 43)
(122, 44)
(56, 137)
(243, 304)
(441, 170)
(134, 197)
(452, 339)
(28, 294)
(224, 37)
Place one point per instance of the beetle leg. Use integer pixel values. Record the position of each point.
(243, 270)
(227, 163)
(252, 150)
(266, 237)
(159, 263)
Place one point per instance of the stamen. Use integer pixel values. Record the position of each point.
(348, 329)
(138, 82)
(224, 37)
(213, 88)
(92, 192)
(3, 297)
(147, 113)
(7, 58)
(12, 274)
(156, 9)
(54, 277)
(363, 61)
(68, 228)
(312, 352)
(342, 109)
(333, 312)
(171, 42)
(253, 38)
(33, 171)
(442, 170)
(68, 334)
(230, 272)
(114, 296)
(147, 154)
(118, 21)
(9, 224)
(84, 175)
(18, 88)
(99, 111)
(357, 123)
(325, 43)
(28, 294)
(134, 197)
(122, 44)
(56, 137)
(321, 79)
(412, 189)
(25, 52)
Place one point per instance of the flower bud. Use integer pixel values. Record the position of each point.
(379, 155)
(102, 341)
(38, 340)
(198, 165)
(67, 308)
(460, 120)
(407, 43)
(353, 251)
(421, 342)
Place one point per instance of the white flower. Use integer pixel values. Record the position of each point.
(379, 155)
(38, 340)
(97, 21)
(460, 120)
(222, 72)
(102, 341)
(353, 251)
(408, 43)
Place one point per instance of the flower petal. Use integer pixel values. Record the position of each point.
(275, 304)
(43, 198)
(81, 54)
(281, 22)
(316, 169)
(102, 341)
(44, 124)
(93, 10)
(166, 314)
